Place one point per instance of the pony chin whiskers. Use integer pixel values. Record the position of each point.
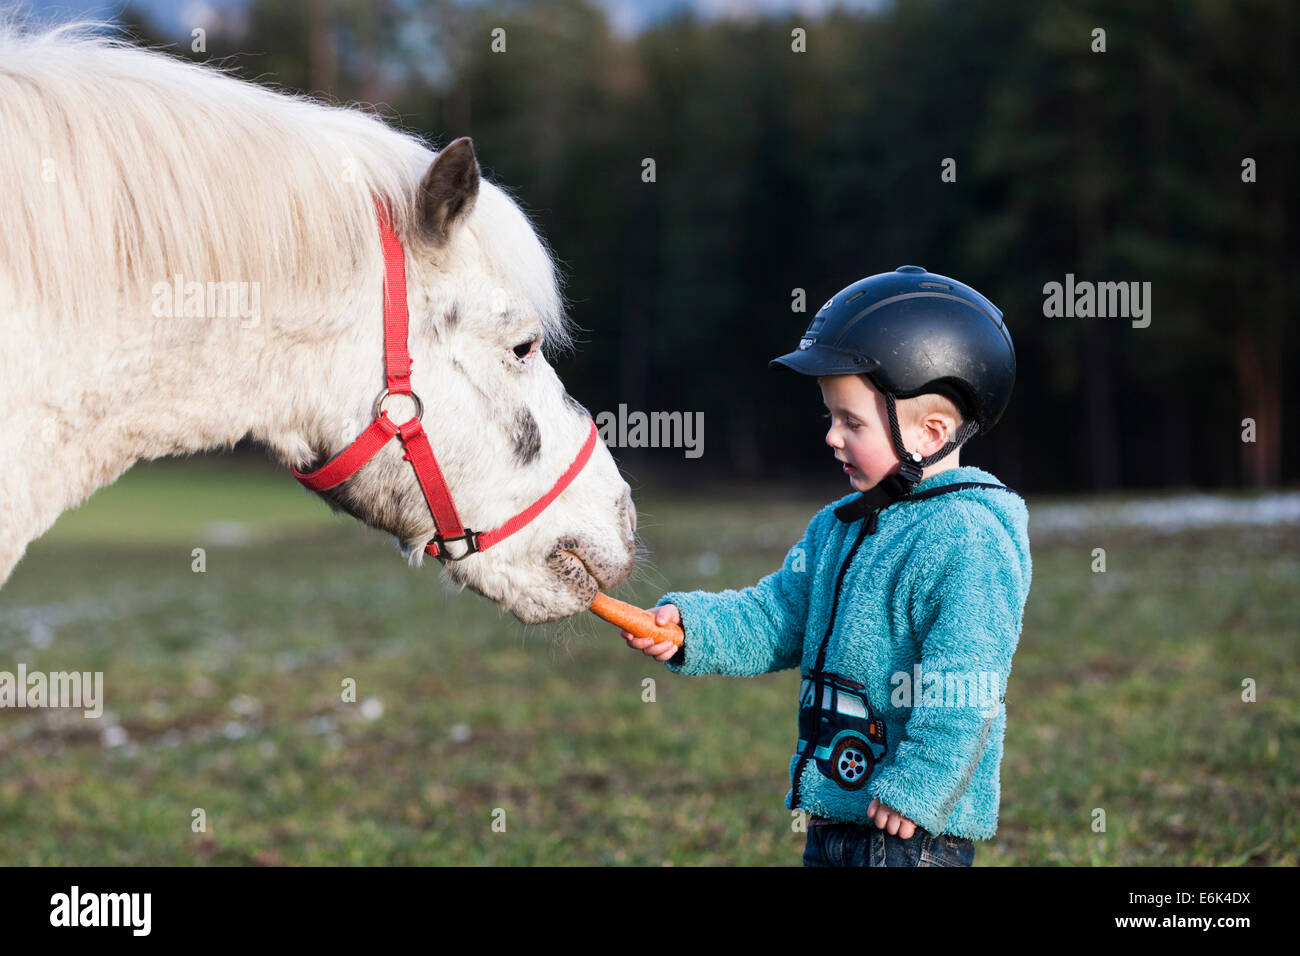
(413, 551)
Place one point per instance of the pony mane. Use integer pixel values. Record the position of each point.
(124, 166)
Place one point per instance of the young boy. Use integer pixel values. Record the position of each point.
(903, 602)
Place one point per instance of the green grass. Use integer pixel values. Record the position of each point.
(1126, 696)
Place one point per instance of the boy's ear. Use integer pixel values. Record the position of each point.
(937, 428)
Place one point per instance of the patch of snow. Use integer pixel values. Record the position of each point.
(1167, 515)
(228, 534)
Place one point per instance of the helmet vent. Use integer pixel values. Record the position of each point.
(856, 295)
(935, 285)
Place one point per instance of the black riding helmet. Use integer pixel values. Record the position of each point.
(914, 332)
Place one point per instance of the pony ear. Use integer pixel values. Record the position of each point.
(448, 190)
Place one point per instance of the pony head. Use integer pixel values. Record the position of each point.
(483, 301)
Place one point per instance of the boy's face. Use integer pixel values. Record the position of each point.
(859, 429)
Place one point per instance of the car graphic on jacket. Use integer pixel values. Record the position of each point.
(848, 739)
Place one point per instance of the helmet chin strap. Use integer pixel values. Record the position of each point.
(913, 463)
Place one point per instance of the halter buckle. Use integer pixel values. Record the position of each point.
(471, 545)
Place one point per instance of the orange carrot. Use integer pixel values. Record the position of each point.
(634, 619)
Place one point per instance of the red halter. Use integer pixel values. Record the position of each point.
(397, 364)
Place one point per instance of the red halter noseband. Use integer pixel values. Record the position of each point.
(397, 366)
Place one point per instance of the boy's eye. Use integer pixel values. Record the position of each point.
(852, 425)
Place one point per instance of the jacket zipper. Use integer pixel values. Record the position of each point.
(817, 675)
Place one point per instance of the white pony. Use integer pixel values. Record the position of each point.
(187, 259)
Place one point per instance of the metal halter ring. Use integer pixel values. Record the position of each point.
(419, 405)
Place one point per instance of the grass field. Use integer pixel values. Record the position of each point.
(223, 693)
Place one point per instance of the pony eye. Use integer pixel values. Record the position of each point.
(524, 348)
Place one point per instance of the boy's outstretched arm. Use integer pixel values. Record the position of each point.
(755, 630)
(969, 609)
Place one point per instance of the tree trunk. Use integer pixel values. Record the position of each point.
(1098, 380)
(1176, 441)
(323, 54)
(1259, 380)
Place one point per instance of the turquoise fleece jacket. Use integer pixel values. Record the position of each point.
(938, 583)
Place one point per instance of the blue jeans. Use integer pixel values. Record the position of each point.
(847, 844)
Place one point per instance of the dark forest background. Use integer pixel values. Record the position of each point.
(779, 170)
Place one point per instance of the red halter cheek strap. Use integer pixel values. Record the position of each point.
(397, 369)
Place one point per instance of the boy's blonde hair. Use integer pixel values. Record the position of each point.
(912, 410)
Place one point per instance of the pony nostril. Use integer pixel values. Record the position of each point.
(631, 514)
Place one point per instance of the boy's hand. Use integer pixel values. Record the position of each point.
(887, 818)
(664, 614)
